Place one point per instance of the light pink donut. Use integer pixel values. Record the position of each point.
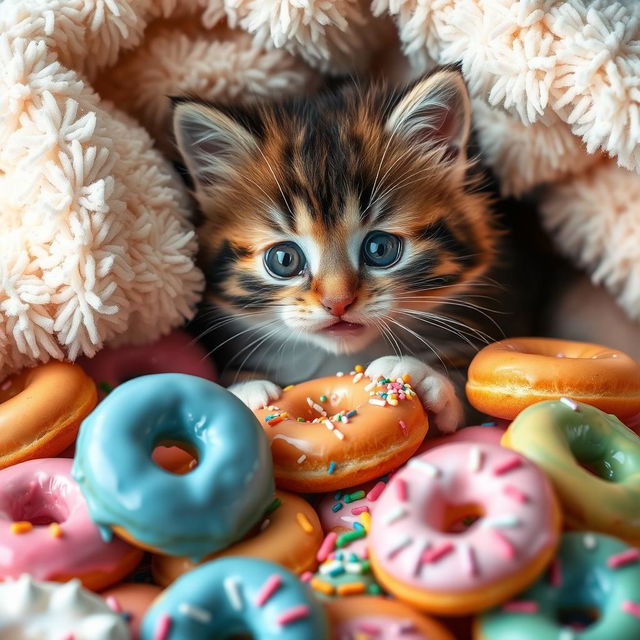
(477, 433)
(175, 353)
(416, 555)
(337, 512)
(46, 531)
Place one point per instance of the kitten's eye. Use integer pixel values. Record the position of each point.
(285, 260)
(381, 249)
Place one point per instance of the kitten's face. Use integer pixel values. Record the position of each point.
(341, 218)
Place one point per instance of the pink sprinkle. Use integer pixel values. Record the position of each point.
(113, 604)
(327, 546)
(522, 606)
(401, 489)
(515, 493)
(433, 555)
(368, 628)
(162, 627)
(555, 573)
(293, 614)
(469, 561)
(508, 465)
(402, 396)
(621, 559)
(271, 585)
(358, 510)
(306, 576)
(374, 494)
(506, 548)
(632, 608)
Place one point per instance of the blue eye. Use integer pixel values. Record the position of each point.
(381, 249)
(285, 260)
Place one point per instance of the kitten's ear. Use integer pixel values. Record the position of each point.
(212, 144)
(435, 112)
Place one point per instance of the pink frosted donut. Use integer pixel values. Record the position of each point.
(46, 531)
(339, 510)
(175, 353)
(478, 433)
(463, 527)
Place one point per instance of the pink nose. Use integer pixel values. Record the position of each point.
(337, 306)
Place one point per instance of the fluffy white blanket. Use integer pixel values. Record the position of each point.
(95, 241)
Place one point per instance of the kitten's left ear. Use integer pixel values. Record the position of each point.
(435, 112)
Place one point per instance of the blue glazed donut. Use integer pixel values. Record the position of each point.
(236, 596)
(592, 592)
(193, 514)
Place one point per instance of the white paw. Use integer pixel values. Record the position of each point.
(437, 392)
(256, 394)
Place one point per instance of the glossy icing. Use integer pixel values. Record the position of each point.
(132, 600)
(412, 543)
(290, 536)
(44, 491)
(194, 514)
(559, 439)
(177, 352)
(351, 441)
(234, 596)
(31, 610)
(584, 580)
(41, 410)
(506, 377)
(380, 618)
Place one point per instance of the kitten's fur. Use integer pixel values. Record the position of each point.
(323, 172)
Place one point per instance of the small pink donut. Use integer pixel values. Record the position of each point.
(339, 510)
(132, 599)
(478, 433)
(421, 551)
(175, 353)
(46, 531)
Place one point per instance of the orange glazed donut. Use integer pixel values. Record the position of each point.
(41, 410)
(340, 431)
(290, 535)
(508, 376)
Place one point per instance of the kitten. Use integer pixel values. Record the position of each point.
(341, 228)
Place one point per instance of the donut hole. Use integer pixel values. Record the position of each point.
(175, 457)
(592, 456)
(577, 618)
(459, 518)
(40, 507)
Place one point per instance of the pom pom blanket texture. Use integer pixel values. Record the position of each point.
(96, 243)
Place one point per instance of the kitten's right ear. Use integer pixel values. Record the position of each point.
(212, 144)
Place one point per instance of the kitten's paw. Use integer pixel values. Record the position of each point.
(437, 392)
(256, 394)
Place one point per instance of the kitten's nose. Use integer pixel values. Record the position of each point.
(337, 306)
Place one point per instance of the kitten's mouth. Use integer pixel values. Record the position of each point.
(343, 328)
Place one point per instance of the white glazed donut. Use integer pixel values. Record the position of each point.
(31, 610)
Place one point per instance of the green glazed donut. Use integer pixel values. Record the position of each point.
(595, 579)
(591, 458)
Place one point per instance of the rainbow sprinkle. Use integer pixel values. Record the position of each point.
(23, 526)
(293, 614)
(622, 559)
(632, 608)
(271, 585)
(304, 523)
(195, 613)
(163, 627)
(332, 467)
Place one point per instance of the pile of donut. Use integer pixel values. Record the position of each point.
(139, 499)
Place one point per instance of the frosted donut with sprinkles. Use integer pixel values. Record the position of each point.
(462, 528)
(342, 430)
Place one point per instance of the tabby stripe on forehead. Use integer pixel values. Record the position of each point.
(419, 274)
(221, 265)
(441, 233)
